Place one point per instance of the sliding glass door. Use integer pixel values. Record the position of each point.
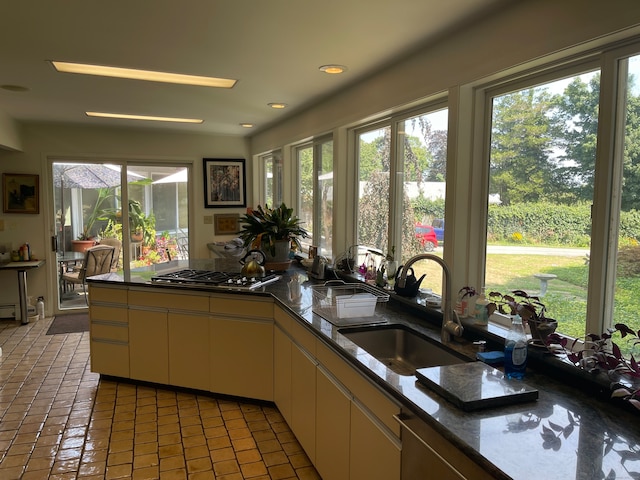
(88, 199)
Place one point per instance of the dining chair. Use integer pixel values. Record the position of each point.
(97, 260)
(117, 245)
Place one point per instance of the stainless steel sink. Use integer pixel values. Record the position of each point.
(400, 348)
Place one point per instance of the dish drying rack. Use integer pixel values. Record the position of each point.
(347, 303)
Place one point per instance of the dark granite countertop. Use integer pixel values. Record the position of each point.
(568, 433)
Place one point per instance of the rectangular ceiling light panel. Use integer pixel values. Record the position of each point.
(143, 117)
(146, 75)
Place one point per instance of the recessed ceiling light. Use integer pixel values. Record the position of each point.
(147, 75)
(277, 105)
(143, 117)
(14, 88)
(333, 69)
(246, 125)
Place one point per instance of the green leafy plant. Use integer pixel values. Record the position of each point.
(529, 307)
(602, 354)
(99, 212)
(264, 226)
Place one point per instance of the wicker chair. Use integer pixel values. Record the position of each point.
(97, 260)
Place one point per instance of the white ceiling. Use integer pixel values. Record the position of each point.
(273, 48)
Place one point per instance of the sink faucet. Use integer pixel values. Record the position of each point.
(449, 326)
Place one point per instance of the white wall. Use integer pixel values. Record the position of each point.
(10, 137)
(40, 141)
(522, 32)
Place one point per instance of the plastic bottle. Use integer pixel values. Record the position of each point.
(515, 350)
(481, 314)
(40, 308)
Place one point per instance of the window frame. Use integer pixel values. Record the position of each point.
(396, 166)
(607, 179)
(316, 146)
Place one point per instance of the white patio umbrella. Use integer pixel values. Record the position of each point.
(86, 176)
(181, 176)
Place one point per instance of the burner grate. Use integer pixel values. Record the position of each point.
(213, 279)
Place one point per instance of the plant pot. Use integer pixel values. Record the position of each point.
(137, 237)
(280, 261)
(540, 331)
(81, 245)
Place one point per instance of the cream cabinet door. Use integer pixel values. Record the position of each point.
(148, 346)
(373, 454)
(282, 372)
(189, 347)
(242, 357)
(333, 425)
(109, 330)
(303, 400)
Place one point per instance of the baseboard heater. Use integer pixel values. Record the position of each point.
(9, 310)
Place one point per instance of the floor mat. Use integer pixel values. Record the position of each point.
(73, 323)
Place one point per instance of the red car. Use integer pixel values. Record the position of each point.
(427, 237)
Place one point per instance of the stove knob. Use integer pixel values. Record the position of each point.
(230, 280)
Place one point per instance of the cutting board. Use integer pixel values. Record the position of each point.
(475, 385)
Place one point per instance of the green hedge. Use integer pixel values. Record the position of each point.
(541, 223)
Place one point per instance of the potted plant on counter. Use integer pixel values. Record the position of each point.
(530, 308)
(272, 230)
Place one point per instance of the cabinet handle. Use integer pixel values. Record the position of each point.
(405, 426)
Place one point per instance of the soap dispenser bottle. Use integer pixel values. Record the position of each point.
(515, 350)
(481, 313)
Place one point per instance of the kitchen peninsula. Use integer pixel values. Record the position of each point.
(345, 406)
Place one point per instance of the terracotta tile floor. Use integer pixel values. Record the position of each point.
(58, 420)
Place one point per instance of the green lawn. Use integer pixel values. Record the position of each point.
(566, 297)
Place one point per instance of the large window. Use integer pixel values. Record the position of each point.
(541, 183)
(315, 201)
(88, 206)
(627, 272)
(374, 173)
(402, 175)
(271, 166)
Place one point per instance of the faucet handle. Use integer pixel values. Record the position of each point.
(453, 328)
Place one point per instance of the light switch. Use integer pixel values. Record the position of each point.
(208, 219)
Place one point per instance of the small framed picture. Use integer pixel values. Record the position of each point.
(226, 223)
(20, 193)
(224, 183)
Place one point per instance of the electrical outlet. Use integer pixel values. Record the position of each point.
(208, 219)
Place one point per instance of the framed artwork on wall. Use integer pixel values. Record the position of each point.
(224, 183)
(226, 223)
(20, 193)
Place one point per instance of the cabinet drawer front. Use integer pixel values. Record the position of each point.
(171, 301)
(257, 307)
(108, 314)
(110, 332)
(283, 319)
(303, 337)
(110, 359)
(383, 407)
(107, 294)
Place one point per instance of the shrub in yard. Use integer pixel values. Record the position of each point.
(629, 261)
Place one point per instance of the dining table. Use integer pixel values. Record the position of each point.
(66, 260)
(21, 267)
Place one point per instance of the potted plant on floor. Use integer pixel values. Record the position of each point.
(99, 212)
(272, 230)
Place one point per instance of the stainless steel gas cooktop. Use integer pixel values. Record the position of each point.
(223, 280)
